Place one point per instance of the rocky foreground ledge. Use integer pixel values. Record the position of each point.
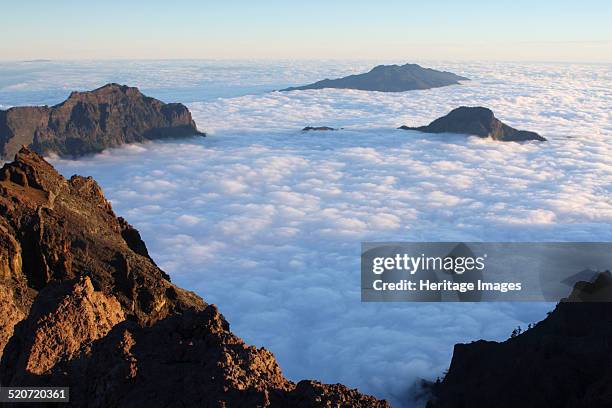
(83, 305)
(563, 361)
(477, 121)
(89, 122)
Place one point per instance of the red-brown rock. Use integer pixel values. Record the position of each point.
(83, 305)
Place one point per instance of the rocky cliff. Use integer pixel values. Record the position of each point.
(389, 78)
(477, 121)
(83, 305)
(89, 122)
(564, 361)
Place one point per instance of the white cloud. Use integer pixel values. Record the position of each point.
(266, 221)
(188, 220)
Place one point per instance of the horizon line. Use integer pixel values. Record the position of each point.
(287, 59)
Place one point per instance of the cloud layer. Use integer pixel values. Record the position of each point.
(266, 221)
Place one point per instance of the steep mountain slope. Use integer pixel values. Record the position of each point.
(89, 122)
(83, 305)
(564, 361)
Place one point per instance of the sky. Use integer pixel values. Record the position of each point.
(515, 30)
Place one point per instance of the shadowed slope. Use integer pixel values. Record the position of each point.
(89, 122)
(389, 78)
(563, 361)
(476, 121)
(84, 306)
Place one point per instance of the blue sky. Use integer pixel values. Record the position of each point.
(484, 30)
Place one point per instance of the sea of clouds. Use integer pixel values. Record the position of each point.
(266, 221)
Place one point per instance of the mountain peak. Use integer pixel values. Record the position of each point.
(477, 121)
(29, 170)
(598, 289)
(389, 78)
(91, 121)
(81, 298)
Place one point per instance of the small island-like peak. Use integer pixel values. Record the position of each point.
(389, 78)
(477, 121)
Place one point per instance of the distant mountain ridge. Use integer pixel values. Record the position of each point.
(89, 122)
(389, 78)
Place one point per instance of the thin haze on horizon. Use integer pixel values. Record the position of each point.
(516, 30)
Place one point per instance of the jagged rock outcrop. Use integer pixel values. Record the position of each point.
(83, 305)
(564, 361)
(57, 230)
(89, 122)
(598, 289)
(477, 121)
(64, 318)
(389, 78)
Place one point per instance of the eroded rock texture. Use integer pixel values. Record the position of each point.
(83, 305)
(89, 122)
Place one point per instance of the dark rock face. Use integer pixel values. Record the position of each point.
(389, 78)
(599, 289)
(89, 122)
(83, 305)
(317, 128)
(476, 121)
(564, 361)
